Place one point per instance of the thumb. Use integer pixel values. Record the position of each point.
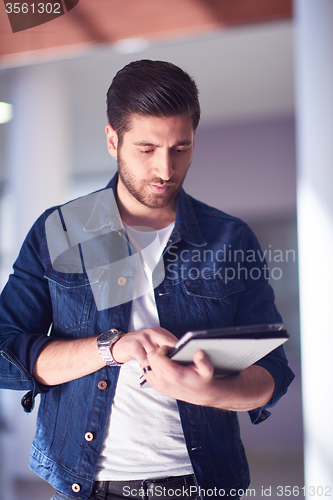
(203, 365)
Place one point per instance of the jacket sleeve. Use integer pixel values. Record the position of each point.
(256, 306)
(25, 314)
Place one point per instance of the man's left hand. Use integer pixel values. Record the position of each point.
(249, 389)
(188, 383)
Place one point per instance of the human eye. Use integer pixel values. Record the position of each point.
(180, 150)
(146, 151)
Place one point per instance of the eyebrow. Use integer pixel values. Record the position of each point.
(150, 144)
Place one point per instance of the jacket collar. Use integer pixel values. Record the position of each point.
(105, 210)
(186, 221)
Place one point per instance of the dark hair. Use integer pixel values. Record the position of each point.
(155, 88)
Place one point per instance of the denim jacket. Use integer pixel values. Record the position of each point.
(214, 276)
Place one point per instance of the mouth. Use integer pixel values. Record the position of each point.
(159, 189)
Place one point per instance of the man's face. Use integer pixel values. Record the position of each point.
(153, 158)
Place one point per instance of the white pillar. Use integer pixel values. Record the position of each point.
(37, 179)
(314, 113)
(38, 144)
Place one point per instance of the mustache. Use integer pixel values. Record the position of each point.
(161, 182)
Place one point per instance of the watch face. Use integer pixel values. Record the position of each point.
(107, 336)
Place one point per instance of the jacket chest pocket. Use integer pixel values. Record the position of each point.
(213, 287)
(72, 300)
(212, 301)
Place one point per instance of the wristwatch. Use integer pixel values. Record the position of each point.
(105, 343)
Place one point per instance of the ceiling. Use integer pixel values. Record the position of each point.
(86, 23)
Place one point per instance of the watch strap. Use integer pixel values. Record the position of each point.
(105, 343)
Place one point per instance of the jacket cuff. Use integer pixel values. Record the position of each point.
(282, 376)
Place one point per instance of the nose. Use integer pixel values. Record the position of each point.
(163, 167)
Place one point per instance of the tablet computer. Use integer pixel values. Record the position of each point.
(231, 349)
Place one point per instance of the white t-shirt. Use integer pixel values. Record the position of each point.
(144, 436)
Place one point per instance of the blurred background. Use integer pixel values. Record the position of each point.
(53, 83)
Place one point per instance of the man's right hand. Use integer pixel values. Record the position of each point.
(63, 360)
(136, 345)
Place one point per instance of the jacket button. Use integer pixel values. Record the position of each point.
(88, 436)
(76, 487)
(122, 281)
(27, 401)
(262, 416)
(102, 385)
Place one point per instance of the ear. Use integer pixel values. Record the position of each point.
(111, 140)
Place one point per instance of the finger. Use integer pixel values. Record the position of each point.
(128, 348)
(162, 365)
(203, 365)
(169, 342)
(140, 354)
(162, 350)
(158, 358)
(162, 369)
(162, 337)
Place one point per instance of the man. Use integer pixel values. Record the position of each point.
(101, 290)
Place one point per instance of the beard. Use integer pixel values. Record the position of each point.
(141, 191)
